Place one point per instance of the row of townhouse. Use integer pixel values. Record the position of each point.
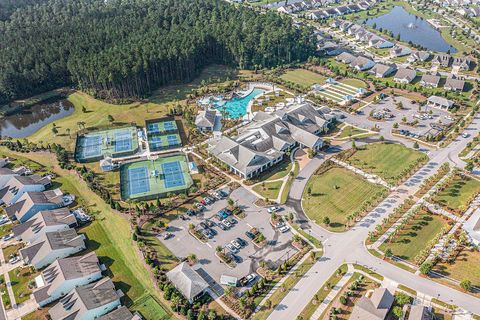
(297, 6)
(338, 11)
(400, 75)
(264, 142)
(445, 60)
(362, 34)
(46, 226)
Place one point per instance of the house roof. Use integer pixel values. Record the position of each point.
(37, 224)
(440, 101)
(421, 55)
(360, 62)
(121, 313)
(81, 299)
(374, 308)
(382, 69)
(431, 79)
(419, 312)
(61, 270)
(405, 74)
(455, 83)
(187, 281)
(51, 241)
(17, 183)
(205, 118)
(29, 199)
(345, 57)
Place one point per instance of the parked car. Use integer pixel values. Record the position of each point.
(228, 224)
(279, 224)
(207, 234)
(236, 244)
(250, 235)
(8, 237)
(232, 220)
(284, 229)
(203, 225)
(167, 236)
(191, 212)
(222, 226)
(465, 135)
(209, 223)
(273, 209)
(250, 278)
(232, 248)
(14, 259)
(242, 242)
(184, 217)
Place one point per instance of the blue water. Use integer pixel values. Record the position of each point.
(237, 107)
(412, 28)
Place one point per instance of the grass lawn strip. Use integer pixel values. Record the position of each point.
(415, 235)
(336, 194)
(19, 279)
(322, 293)
(303, 77)
(7, 304)
(288, 284)
(350, 131)
(109, 235)
(11, 249)
(268, 190)
(391, 162)
(458, 194)
(465, 267)
(149, 308)
(288, 184)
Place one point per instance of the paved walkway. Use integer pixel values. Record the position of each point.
(333, 293)
(370, 177)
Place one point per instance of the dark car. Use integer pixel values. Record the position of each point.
(203, 225)
(184, 217)
(242, 242)
(191, 212)
(250, 235)
(222, 226)
(209, 223)
(232, 220)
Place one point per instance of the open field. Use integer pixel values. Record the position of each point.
(149, 308)
(458, 193)
(109, 235)
(349, 131)
(354, 83)
(415, 236)
(270, 190)
(336, 194)
(303, 77)
(465, 267)
(388, 161)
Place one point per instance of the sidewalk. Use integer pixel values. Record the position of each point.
(370, 177)
(333, 293)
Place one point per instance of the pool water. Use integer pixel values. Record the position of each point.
(237, 107)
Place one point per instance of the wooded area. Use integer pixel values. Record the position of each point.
(116, 49)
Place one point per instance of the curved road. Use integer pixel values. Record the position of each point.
(349, 246)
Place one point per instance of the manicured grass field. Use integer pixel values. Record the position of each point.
(336, 194)
(303, 77)
(149, 308)
(6, 229)
(458, 194)
(354, 83)
(270, 190)
(388, 161)
(465, 267)
(409, 242)
(7, 304)
(19, 278)
(350, 131)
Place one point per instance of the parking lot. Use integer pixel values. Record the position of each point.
(277, 250)
(428, 120)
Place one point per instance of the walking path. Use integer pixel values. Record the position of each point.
(370, 177)
(333, 293)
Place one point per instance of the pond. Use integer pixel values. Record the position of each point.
(411, 29)
(30, 119)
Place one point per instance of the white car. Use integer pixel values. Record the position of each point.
(284, 229)
(232, 248)
(14, 260)
(250, 277)
(8, 237)
(273, 209)
(236, 244)
(465, 135)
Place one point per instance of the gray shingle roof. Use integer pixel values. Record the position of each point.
(29, 199)
(206, 118)
(121, 313)
(405, 74)
(187, 281)
(456, 84)
(37, 224)
(375, 308)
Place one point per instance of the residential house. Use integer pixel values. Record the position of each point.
(362, 63)
(343, 10)
(121, 313)
(454, 84)
(379, 42)
(18, 185)
(440, 103)
(33, 202)
(405, 76)
(383, 70)
(187, 281)
(316, 15)
(262, 143)
(63, 275)
(345, 57)
(4, 162)
(374, 308)
(441, 60)
(419, 312)
(363, 5)
(400, 51)
(205, 120)
(51, 246)
(5, 175)
(472, 227)
(87, 302)
(43, 222)
(331, 12)
(430, 80)
(462, 63)
(419, 56)
(330, 48)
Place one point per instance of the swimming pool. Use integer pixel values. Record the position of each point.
(237, 107)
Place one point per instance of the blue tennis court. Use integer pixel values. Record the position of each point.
(138, 180)
(123, 141)
(172, 140)
(172, 174)
(92, 146)
(155, 142)
(169, 126)
(153, 128)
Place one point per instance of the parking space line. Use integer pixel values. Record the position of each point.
(208, 244)
(248, 224)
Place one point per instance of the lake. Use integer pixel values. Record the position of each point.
(30, 119)
(411, 28)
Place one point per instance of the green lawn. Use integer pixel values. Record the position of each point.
(354, 83)
(7, 304)
(167, 258)
(388, 161)
(416, 236)
(270, 190)
(336, 194)
(288, 184)
(350, 131)
(11, 249)
(149, 308)
(6, 229)
(303, 77)
(466, 266)
(19, 278)
(458, 194)
(277, 172)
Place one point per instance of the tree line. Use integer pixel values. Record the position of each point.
(116, 49)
